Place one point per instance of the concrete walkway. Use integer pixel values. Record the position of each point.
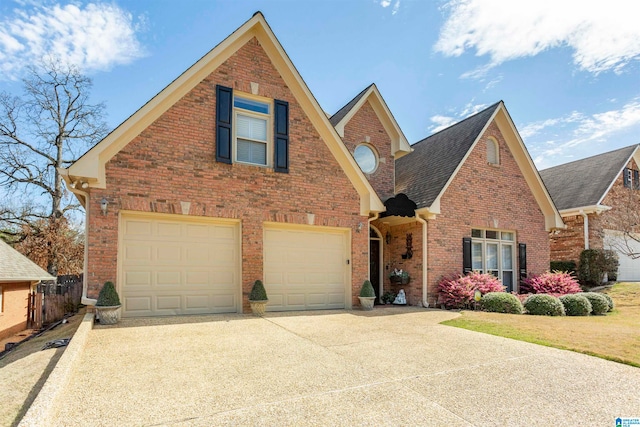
(387, 367)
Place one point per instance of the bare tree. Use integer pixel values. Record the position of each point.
(48, 127)
(624, 223)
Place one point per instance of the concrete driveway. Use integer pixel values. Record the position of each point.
(392, 366)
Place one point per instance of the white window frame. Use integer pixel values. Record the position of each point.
(375, 155)
(500, 242)
(248, 113)
(1, 299)
(493, 149)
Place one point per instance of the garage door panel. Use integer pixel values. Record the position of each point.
(305, 268)
(179, 266)
(168, 229)
(137, 228)
(137, 278)
(168, 278)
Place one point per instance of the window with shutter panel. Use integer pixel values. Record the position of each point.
(224, 113)
(627, 177)
(636, 180)
(281, 136)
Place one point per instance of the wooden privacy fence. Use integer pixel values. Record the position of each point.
(52, 300)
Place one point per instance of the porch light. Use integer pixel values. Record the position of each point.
(104, 203)
(359, 227)
(387, 238)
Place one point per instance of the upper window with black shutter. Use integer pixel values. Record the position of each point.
(252, 130)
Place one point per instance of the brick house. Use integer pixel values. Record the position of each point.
(598, 210)
(234, 173)
(18, 277)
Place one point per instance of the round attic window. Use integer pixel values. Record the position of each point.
(366, 158)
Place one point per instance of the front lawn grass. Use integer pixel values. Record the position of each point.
(614, 336)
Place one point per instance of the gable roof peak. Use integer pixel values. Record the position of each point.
(568, 187)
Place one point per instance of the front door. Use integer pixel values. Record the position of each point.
(374, 266)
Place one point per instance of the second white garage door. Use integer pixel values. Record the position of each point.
(176, 265)
(629, 268)
(305, 268)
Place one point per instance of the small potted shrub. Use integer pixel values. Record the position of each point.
(108, 304)
(388, 297)
(258, 298)
(367, 296)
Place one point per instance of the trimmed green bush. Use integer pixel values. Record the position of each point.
(367, 290)
(258, 292)
(599, 303)
(592, 267)
(610, 301)
(566, 266)
(576, 305)
(543, 305)
(502, 302)
(108, 296)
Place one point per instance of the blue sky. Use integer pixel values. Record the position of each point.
(568, 71)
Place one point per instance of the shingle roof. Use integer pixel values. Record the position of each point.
(585, 182)
(339, 115)
(423, 174)
(16, 267)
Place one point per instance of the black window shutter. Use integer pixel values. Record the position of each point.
(466, 255)
(281, 137)
(224, 132)
(522, 260)
(636, 179)
(627, 181)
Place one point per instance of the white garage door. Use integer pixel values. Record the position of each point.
(174, 265)
(629, 268)
(305, 268)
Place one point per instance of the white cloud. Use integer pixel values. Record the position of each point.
(93, 37)
(441, 122)
(387, 3)
(584, 131)
(603, 35)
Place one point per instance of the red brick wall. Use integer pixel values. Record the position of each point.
(568, 244)
(15, 298)
(365, 123)
(489, 197)
(173, 160)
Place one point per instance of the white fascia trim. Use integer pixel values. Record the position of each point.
(596, 209)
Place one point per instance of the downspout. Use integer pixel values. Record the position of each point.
(425, 299)
(586, 229)
(369, 221)
(85, 264)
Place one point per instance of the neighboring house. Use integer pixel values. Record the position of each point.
(18, 276)
(598, 198)
(233, 173)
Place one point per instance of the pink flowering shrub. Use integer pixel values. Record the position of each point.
(458, 291)
(556, 283)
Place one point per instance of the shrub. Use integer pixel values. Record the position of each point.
(558, 283)
(258, 292)
(576, 305)
(599, 304)
(610, 301)
(502, 302)
(592, 267)
(458, 291)
(108, 296)
(367, 290)
(544, 305)
(611, 264)
(567, 266)
(388, 297)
